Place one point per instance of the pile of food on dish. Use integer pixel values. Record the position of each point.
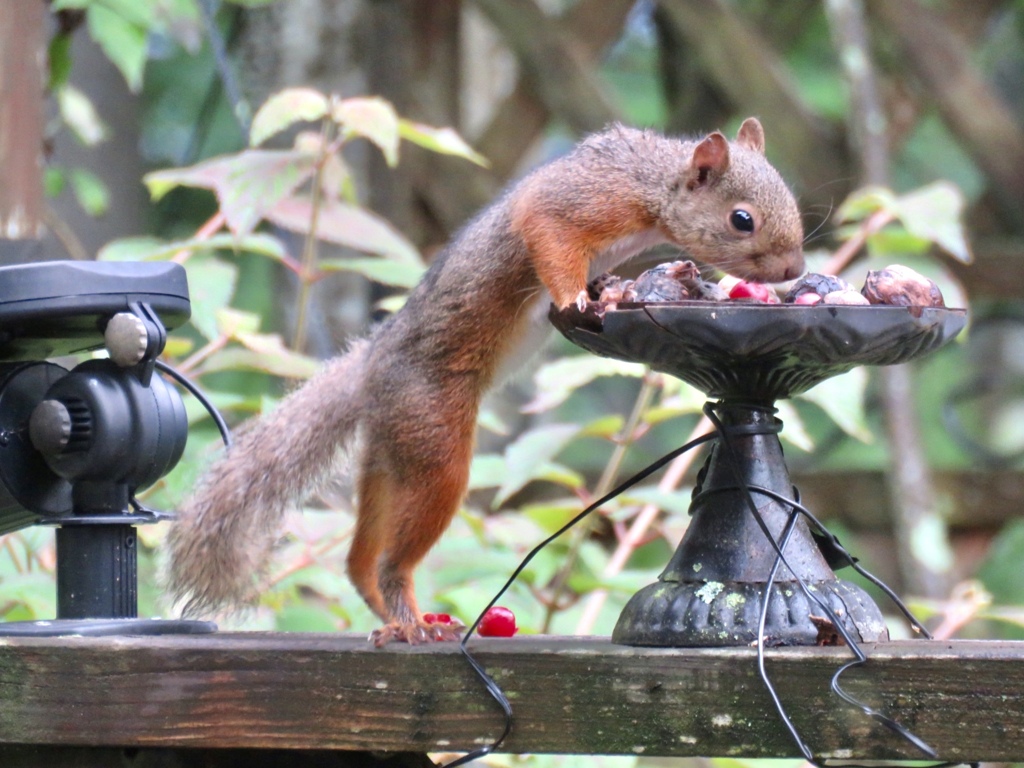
(895, 285)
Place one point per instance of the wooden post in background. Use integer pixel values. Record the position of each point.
(22, 67)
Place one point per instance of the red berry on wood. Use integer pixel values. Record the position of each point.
(497, 622)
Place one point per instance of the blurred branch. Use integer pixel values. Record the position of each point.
(560, 74)
(605, 483)
(691, 100)
(868, 123)
(922, 537)
(65, 235)
(22, 77)
(590, 27)
(974, 112)
(753, 77)
(518, 121)
(628, 544)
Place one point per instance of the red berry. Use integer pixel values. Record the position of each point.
(807, 298)
(497, 622)
(757, 291)
(437, 618)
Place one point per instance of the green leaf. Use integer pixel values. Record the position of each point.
(491, 420)
(346, 225)
(681, 399)
(178, 346)
(674, 502)
(122, 40)
(132, 249)
(232, 322)
(1000, 571)
(378, 270)
(865, 201)
(559, 474)
(894, 241)
(143, 15)
(795, 432)
(247, 184)
(486, 471)
(1011, 615)
(90, 191)
(391, 304)
(53, 180)
(935, 213)
(604, 426)
(552, 515)
(284, 109)
(929, 543)
(842, 398)
(557, 380)
(265, 354)
(78, 112)
(530, 454)
(211, 284)
(58, 56)
(371, 118)
(153, 249)
(445, 141)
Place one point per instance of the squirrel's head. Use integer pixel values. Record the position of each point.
(731, 208)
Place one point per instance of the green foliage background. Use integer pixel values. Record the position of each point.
(533, 480)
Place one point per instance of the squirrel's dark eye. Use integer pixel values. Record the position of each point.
(742, 220)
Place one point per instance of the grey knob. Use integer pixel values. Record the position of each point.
(49, 427)
(125, 339)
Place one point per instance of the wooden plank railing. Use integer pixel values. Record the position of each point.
(569, 694)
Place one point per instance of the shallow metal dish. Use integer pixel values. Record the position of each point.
(752, 351)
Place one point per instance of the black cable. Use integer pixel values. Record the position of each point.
(725, 435)
(834, 542)
(837, 623)
(762, 619)
(492, 687)
(197, 393)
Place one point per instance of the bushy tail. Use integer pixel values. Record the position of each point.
(220, 544)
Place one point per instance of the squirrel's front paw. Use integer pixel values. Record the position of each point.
(418, 633)
(582, 300)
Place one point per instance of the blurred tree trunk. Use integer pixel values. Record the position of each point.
(315, 43)
(923, 547)
(942, 60)
(22, 46)
(412, 58)
(113, 161)
(752, 77)
(692, 103)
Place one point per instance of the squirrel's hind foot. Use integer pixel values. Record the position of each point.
(417, 633)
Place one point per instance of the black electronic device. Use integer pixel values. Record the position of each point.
(77, 444)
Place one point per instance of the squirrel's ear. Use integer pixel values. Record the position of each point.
(751, 135)
(710, 158)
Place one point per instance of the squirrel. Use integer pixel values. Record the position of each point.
(407, 395)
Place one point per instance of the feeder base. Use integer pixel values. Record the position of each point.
(695, 614)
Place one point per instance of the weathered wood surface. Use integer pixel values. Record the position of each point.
(570, 695)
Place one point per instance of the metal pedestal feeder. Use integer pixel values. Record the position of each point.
(747, 356)
(76, 445)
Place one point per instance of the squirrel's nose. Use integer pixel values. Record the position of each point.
(794, 271)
